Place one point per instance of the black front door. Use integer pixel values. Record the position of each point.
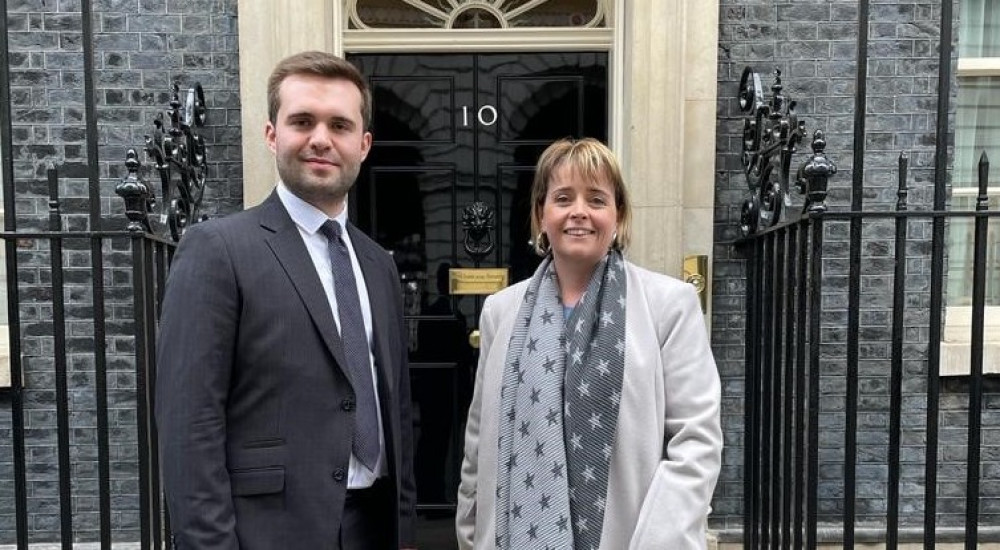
(450, 131)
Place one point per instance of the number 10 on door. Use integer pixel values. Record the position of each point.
(487, 115)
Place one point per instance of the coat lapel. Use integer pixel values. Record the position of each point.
(380, 299)
(285, 242)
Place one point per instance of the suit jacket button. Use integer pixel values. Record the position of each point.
(339, 474)
(347, 405)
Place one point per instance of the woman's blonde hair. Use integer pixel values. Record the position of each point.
(591, 160)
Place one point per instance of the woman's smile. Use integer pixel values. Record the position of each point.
(579, 217)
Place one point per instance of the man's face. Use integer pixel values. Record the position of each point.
(318, 139)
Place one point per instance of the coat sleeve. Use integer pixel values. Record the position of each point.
(198, 327)
(675, 509)
(465, 517)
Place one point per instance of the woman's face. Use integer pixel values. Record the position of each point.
(579, 217)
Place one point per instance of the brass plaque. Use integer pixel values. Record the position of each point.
(476, 280)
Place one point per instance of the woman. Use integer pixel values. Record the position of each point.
(595, 419)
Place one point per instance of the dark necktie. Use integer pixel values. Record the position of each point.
(355, 342)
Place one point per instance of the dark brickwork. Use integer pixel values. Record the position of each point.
(814, 44)
(141, 49)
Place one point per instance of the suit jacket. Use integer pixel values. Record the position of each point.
(668, 445)
(253, 400)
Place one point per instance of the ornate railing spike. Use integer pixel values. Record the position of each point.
(179, 155)
(772, 132)
(814, 174)
(902, 193)
(983, 199)
(136, 194)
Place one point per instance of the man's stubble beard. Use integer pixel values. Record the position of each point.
(316, 191)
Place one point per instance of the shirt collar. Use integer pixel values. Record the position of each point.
(305, 215)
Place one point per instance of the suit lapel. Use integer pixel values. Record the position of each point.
(285, 242)
(380, 299)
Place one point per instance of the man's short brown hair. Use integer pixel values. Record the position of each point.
(319, 64)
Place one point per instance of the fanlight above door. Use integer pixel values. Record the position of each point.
(475, 14)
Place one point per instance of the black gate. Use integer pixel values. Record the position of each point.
(793, 340)
(82, 309)
(845, 398)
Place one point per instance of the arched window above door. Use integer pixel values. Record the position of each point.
(475, 14)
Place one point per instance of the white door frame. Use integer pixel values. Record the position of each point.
(663, 58)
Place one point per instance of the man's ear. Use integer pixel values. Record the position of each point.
(366, 145)
(270, 137)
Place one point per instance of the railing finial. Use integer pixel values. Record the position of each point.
(777, 98)
(55, 215)
(983, 201)
(814, 175)
(135, 192)
(902, 192)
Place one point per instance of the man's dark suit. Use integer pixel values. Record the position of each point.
(253, 400)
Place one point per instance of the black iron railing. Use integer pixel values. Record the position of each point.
(81, 318)
(810, 353)
(121, 328)
(794, 397)
(179, 156)
(845, 325)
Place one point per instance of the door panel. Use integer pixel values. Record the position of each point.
(416, 109)
(522, 99)
(450, 130)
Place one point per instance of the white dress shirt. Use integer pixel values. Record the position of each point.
(309, 219)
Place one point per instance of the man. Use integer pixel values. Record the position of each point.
(283, 398)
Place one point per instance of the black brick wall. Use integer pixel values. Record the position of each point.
(141, 48)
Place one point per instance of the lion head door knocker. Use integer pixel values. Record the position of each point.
(477, 221)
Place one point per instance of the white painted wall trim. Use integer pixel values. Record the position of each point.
(270, 31)
(500, 40)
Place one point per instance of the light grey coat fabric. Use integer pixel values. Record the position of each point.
(670, 392)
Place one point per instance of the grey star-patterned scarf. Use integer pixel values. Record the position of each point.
(559, 412)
